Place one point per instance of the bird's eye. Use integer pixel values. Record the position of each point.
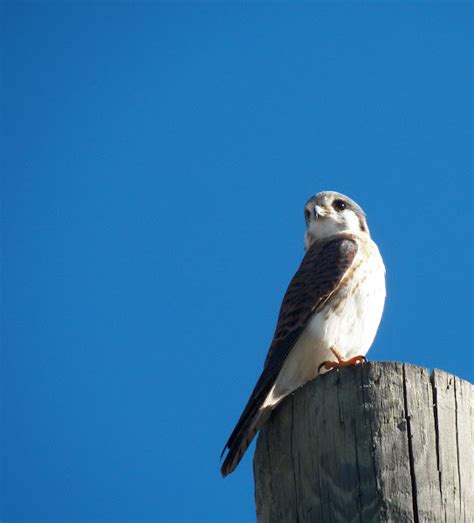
(339, 205)
(307, 215)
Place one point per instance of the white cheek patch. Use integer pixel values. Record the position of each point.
(352, 220)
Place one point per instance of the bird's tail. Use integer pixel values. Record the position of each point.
(242, 436)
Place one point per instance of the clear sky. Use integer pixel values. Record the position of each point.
(156, 160)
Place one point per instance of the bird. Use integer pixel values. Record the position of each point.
(329, 315)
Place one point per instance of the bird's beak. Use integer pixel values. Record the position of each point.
(319, 212)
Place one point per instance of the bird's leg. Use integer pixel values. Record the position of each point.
(341, 362)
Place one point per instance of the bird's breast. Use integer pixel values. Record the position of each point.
(350, 318)
(348, 321)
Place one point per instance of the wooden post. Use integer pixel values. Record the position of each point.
(373, 442)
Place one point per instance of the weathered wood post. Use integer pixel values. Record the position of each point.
(374, 442)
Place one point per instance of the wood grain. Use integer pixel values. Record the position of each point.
(374, 442)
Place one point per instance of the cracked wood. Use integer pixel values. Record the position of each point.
(374, 442)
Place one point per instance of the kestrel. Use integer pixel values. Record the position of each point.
(329, 315)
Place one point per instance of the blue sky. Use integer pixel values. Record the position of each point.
(157, 157)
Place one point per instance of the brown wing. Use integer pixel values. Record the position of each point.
(317, 278)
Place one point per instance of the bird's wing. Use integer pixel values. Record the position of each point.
(318, 277)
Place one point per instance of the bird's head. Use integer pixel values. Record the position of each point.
(327, 213)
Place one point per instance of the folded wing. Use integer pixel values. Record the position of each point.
(323, 268)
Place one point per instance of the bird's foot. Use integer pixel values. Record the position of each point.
(341, 362)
